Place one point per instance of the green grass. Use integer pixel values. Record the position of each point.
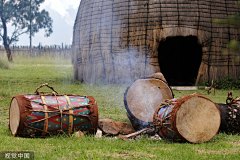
(4, 64)
(26, 74)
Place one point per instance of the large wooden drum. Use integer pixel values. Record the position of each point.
(41, 114)
(192, 118)
(142, 98)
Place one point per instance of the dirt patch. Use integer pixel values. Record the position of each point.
(129, 155)
(124, 155)
(218, 152)
(162, 148)
(235, 143)
(44, 150)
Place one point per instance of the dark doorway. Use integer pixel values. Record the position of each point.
(179, 59)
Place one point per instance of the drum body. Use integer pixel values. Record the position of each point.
(230, 118)
(142, 98)
(37, 116)
(192, 118)
(165, 132)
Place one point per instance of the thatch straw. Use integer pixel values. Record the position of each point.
(117, 41)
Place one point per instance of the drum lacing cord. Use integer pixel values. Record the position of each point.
(45, 123)
(159, 123)
(82, 106)
(61, 112)
(57, 112)
(169, 102)
(46, 84)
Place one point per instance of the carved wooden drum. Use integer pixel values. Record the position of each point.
(142, 98)
(230, 115)
(230, 118)
(41, 114)
(192, 118)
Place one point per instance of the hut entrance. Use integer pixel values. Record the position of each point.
(179, 59)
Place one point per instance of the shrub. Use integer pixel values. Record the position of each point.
(205, 83)
(237, 83)
(226, 83)
(216, 83)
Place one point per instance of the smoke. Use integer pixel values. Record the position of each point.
(129, 65)
(104, 54)
(102, 49)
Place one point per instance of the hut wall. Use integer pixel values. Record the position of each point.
(116, 41)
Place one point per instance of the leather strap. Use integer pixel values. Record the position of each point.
(46, 116)
(70, 116)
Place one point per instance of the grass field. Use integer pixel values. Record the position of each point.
(26, 74)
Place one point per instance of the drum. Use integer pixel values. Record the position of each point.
(142, 98)
(230, 118)
(192, 118)
(40, 114)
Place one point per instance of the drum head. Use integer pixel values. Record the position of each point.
(197, 119)
(14, 117)
(143, 97)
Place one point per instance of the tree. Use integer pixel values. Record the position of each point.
(233, 45)
(25, 17)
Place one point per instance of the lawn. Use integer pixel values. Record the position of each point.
(26, 74)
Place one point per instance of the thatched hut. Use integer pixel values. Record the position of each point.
(117, 41)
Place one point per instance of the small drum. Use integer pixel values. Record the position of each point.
(48, 113)
(230, 118)
(230, 115)
(142, 98)
(192, 118)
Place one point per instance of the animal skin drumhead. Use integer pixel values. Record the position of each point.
(198, 119)
(144, 96)
(14, 115)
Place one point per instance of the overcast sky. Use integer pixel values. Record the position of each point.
(63, 13)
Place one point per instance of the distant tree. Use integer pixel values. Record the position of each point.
(233, 45)
(25, 17)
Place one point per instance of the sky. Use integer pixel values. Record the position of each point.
(63, 13)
